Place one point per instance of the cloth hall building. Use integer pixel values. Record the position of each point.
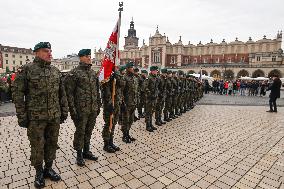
(227, 60)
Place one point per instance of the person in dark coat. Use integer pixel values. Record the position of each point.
(274, 94)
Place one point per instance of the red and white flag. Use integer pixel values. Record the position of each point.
(111, 55)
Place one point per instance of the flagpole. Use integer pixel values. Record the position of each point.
(117, 61)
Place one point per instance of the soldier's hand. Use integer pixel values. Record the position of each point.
(110, 108)
(23, 123)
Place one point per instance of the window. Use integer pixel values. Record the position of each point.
(21, 56)
(195, 60)
(242, 59)
(205, 60)
(14, 62)
(229, 60)
(7, 62)
(157, 57)
(186, 60)
(13, 56)
(258, 58)
(173, 60)
(21, 62)
(27, 57)
(217, 60)
(273, 58)
(6, 55)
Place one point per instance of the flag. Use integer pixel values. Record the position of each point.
(110, 55)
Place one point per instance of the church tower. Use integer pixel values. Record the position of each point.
(131, 41)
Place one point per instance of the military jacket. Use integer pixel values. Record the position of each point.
(151, 87)
(82, 89)
(130, 91)
(38, 92)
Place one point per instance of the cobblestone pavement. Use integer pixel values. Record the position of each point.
(208, 147)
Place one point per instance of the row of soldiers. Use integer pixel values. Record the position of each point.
(43, 99)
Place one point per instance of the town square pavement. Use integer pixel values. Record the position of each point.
(224, 142)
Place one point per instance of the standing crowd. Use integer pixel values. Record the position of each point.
(43, 98)
(237, 87)
(5, 87)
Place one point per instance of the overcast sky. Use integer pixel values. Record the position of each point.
(72, 24)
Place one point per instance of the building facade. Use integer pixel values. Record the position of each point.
(11, 58)
(228, 60)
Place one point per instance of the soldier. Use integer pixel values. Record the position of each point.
(151, 90)
(175, 85)
(41, 106)
(162, 79)
(109, 109)
(130, 102)
(138, 78)
(141, 104)
(169, 97)
(82, 89)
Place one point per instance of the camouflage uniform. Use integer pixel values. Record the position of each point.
(161, 98)
(40, 103)
(108, 134)
(82, 89)
(175, 84)
(169, 98)
(151, 91)
(141, 103)
(130, 98)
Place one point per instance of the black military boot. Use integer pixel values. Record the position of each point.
(39, 178)
(116, 148)
(108, 148)
(125, 138)
(48, 172)
(87, 154)
(158, 122)
(153, 127)
(166, 117)
(80, 160)
(149, 128)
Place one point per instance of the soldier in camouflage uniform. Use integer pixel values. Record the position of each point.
(41, 106)
(138, 79)
(141, 104)
(169, 97)
(109, 109)
(174, 114)
(82, 89)
(151, 91)
(162, 79)
(181, 92)
(130, 102)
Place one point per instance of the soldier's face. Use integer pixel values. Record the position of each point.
(86, 59)
(154, 72)
(131, 70)
(44, 54)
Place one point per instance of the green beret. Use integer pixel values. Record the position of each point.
(164, 70)
(84, 52)
(180, 72)
(121, 68)
(42, 45)
(136, 69)
(174, 72)
(169, 72)
(144, 71)
(152, 68)
(129, 65)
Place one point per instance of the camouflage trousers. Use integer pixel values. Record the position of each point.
(175, 103)
(168, 105)
(84, 128)
(159, 108)
(107, 134)
(128, 118)
(141, 104)
(150, 108)
(43, 137)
